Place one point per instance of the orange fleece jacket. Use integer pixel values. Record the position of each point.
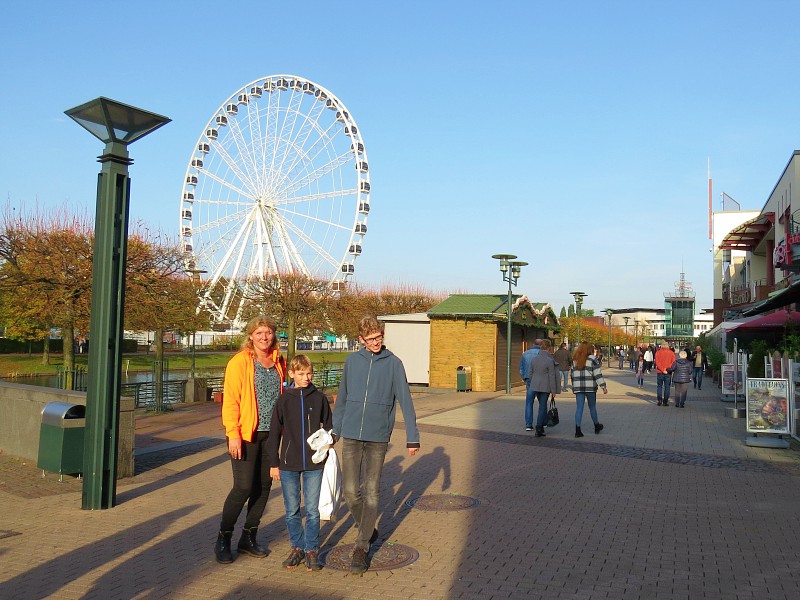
(239, 405)
(664, 359)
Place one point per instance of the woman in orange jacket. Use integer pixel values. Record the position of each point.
(254, 379)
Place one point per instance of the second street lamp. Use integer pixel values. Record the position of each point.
(609, 314)
(511, 270)
(579, 296)
(627, 342)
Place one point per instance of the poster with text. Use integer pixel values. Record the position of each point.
(730, 385)
(767, 405)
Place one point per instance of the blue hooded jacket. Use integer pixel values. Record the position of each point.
(372, 385)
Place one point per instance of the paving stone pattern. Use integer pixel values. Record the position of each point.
(664, 503)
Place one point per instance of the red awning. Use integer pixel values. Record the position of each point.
(747, 235)
(774, 320)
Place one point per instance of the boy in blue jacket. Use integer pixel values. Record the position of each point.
(373, 383)
(299, 412)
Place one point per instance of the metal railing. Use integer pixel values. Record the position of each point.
(328, 375)
(73, 379)
(145, 392)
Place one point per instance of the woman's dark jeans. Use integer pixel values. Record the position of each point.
(251, 484)
(363, 504)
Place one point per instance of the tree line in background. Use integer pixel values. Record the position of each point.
(46, 283)
(595, 333)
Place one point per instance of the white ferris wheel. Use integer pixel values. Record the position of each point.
(278, 183)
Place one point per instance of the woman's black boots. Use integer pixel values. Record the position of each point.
(598, 427)
(222, 548)
(578, 432)
(249, 545)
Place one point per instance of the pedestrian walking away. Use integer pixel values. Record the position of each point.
(373, 384)
(700, 362)
(621, 356)
(640, 372)
(648, 359)
(587, 376)
(664, 359)
(525, 373)
(564, 361)
(253, 381)
(300, 411)
(544, 381)
(637, 352)
(681, 371)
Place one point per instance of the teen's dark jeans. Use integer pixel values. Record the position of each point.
(362, 500)
(251, 484)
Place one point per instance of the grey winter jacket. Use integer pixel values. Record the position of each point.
(372, 385)
(681, 370)
(544, 374)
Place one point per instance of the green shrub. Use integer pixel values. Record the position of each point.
(758, 351)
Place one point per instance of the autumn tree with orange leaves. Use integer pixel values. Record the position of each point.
(45, 276)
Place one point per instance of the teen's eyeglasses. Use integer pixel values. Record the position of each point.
(373, 340)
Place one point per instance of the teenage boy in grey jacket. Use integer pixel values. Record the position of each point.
(373, 383)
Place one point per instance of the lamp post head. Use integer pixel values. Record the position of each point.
(516, 268)
(195, 274)
(504, 260)
(115, 124)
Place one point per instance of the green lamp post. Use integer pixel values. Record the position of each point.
(579, 296)
(511, 270)
(609, 314)
(116, 125)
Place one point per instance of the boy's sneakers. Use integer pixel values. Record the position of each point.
(312, 561)
(295, 558)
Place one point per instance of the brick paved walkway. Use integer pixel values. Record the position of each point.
(664, 503)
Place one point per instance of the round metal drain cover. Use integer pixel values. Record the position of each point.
(442, 502)
(387, 556)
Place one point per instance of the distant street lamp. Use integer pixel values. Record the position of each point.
(609, 314)
(116, 125)
(511, 271)
(636, 331)
(579, 296)
(626, 319)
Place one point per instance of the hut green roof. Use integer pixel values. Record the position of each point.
(493, 307)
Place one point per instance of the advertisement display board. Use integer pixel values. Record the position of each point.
(767, 405)
(730, 383)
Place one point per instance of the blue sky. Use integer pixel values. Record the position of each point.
(574, 135)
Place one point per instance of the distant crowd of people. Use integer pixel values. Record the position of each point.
(548, 372)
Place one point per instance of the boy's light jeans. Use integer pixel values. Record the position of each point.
(291, 486)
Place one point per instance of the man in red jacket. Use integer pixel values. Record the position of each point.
(664, 359)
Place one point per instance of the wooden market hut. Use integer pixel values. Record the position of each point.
(470, 330)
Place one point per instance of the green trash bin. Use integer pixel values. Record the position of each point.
(463, 379)
(61, 438)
